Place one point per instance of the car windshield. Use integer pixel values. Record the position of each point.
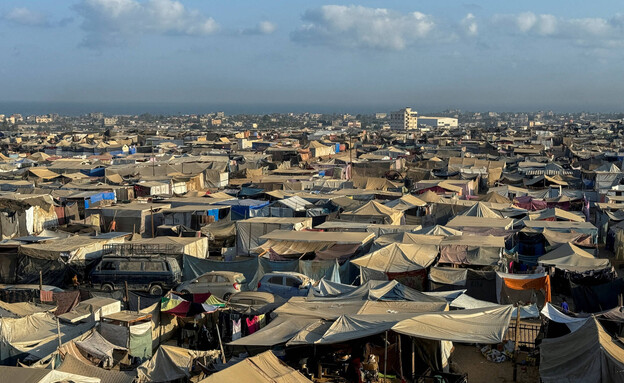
(174, 265)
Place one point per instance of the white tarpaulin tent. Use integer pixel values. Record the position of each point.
(587, 355)
(551, 312)
(465, 301)
(486, 326)
(35, 334)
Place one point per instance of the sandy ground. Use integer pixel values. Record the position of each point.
(469, 360)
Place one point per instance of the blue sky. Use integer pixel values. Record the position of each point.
(377, 55)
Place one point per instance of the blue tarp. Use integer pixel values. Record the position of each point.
(99, 197)
(244, 208)
(254, 268)
(214, 213)
(97, 172)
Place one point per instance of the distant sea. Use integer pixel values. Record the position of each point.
(136, 108)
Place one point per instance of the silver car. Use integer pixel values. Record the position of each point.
(220, 283)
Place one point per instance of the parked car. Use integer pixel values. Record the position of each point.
(253, 299)
(152, 274)
(220, 283)
(285, 284)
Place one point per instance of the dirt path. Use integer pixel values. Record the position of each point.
(468, 359)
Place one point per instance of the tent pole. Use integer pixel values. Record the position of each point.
(516, 337)
(58, 332)
(221, 344)
(386, 357)
(413, 359)
(400, 358)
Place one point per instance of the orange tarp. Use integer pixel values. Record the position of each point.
(542, 283)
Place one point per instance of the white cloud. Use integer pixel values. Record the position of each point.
(469, 25)
(584, 31)
(25, 16)
(361, 27)
(262, 28)
(110, 22)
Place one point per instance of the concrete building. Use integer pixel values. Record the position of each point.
(404, 119)
(440, 122)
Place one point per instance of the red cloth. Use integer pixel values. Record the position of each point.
(46, 296)
(253, 325)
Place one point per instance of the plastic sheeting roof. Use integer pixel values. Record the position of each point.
(486, 326)
(339, 238)
(262, 368)
(586, 355)
(463, 221)
(573, 323)
(573, 258)
(171, 363)
(481, 210)
(397, 258)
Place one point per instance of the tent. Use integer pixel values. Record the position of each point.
(406, 263)
(382, 291)
(472, 250)
(73, 365)
(429, 197)
(41, 375)
(512, 288)
(496, 198)
(465, 301)
(262, 368)
(564, 227)
(587, 355)
(556, 214)
(406, 202)
(460, 222)
(249, 231)
(553, 314)
(397, 258)
(374, 212)
(170, 363)
(244, 208)
(408, 238)
(76, 249)
(326, 245)
(481, 210)
(573, 258)
(35, 334)
(176, 246)
(485, 325)
(438, 230)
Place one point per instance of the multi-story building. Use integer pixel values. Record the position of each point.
(439, 122)
(404, 119)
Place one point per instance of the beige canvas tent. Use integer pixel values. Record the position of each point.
(571, 257)
(374, 212)
(262, 368)
(399, 258)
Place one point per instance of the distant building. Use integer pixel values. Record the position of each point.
(440, 122)
(380, 116)
(109, 121)
(404, 119)
(43, 119)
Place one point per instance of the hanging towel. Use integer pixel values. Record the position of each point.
(236, 329)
